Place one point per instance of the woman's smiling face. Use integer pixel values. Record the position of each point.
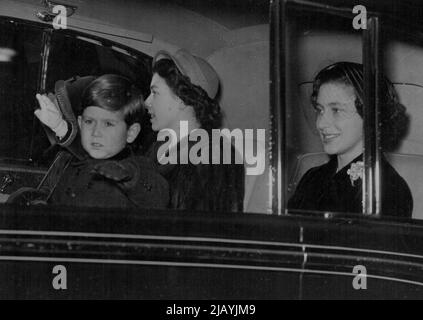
(338, 122)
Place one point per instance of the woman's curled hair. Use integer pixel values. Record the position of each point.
(207, 110)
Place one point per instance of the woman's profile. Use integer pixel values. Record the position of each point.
(183, 91)
(336, 186)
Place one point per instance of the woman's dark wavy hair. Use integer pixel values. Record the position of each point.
(207, 110)
(394, 120)
(115, 93)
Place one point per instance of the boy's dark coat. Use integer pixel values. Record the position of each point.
(79, 185)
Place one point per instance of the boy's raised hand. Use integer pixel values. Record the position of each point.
(50, 115)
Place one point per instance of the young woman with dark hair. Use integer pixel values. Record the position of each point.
(183, 91)
(337, 185)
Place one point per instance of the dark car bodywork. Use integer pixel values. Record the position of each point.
(161, 255)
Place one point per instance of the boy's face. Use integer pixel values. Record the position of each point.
(104, 133)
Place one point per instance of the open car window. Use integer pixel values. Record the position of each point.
(63, 54)
(380, 181)
(18, 85)
(37, 57)
(314, 40)
(21, 141)
(73, 55)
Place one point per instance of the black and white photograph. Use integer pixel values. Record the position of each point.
(211, 154)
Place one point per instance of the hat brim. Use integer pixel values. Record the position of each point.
(162, 54)
(192, 67)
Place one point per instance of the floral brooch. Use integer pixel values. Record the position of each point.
(356, 171)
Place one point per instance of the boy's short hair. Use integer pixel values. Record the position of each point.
(115, 93)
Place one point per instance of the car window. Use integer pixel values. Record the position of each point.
(25, 150)
(402, 62)
(73, 55)
(76, 55)
(314, 41)
(18, 85)
(320, 117)
(244, 104)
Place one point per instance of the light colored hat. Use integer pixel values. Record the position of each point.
(198, 70)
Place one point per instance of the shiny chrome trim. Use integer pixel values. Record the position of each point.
(372, 152)
(277, 105)
(200, 239)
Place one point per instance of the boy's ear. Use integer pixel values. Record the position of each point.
(133, 132)
(79, 122)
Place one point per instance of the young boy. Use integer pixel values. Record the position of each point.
(109, 175)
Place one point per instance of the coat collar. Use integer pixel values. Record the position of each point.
(125, 153)
(333, 165)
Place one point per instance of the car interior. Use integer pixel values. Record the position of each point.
(238, 48)
(266, 54)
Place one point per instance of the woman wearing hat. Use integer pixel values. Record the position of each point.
(183, 91)
(337, 185)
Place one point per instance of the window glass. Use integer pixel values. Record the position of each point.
(18, 85)
(402, 136)
(320, 130)
(243, 98)
(245, 115)
(72, 55)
